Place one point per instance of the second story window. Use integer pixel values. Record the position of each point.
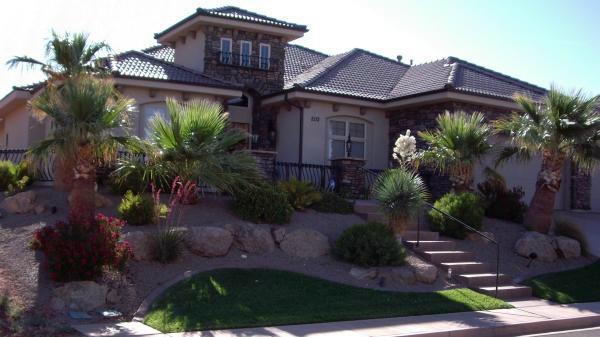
(264, 61)
(226, 55)
(245, 52)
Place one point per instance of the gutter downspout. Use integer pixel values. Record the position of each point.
(301, 134)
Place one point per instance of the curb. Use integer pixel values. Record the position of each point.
(142, 310)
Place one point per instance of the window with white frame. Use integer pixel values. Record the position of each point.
(339, 130)
(226, 47)
(150, 111)
(264, 56)
(245, 52)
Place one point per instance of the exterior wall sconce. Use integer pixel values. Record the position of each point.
(348, 146)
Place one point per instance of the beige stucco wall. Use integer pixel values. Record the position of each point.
(16, 126)
(315, 140)
(191, 53)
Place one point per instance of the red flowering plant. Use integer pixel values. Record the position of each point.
(77, 251)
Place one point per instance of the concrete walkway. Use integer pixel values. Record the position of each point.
(589, 222)
(528, 317)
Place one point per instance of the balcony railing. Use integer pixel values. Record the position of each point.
(247, 61)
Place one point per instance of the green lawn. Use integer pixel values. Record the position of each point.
(235, 298)
(571, 286)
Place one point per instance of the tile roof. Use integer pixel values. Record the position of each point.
(161, 52)
(299, 59)
(239, 14)
(139, 65)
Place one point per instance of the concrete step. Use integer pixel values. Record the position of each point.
(506, 292)
(424, 235)
(483, 280)
(366, 206)
(431, 245)
(466, 267)
(447, 256)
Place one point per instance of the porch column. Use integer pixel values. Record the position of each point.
(349, 177)
(266, 162)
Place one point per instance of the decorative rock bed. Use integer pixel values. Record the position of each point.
(547, 248)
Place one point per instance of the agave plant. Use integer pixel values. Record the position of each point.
(565, 126)
(401, 194)
(458, 143)
(197, 144)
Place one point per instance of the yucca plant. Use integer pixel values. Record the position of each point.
(197, 144)
(401, 194)
(563, 127)
(456, 145)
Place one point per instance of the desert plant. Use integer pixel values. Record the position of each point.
(500, 201)
(301, 194)
(401, 194)
(14, 177)
(565, 126)
(137, 209)
(571, 230)
(80, 251)
(264, 204)
(197, 144)
(465, 206)
(86, 111)
(333, 203)
(459, 142)
(370, 244)
(120, 184)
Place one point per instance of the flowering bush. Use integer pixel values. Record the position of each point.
(80, 251)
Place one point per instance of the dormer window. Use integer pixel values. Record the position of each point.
(226, 55)
(245, 53)
(264, 61)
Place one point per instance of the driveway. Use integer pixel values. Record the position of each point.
(590, 225)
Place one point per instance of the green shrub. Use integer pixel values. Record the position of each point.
(300, 194)
(466, 207)
(132, 181)
(14, 177)
(563, 227)
(333, 203)
(501, 202)
(370, 244)
(266, 203)
(137, 209)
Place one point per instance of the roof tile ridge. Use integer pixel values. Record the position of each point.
(385, 58)
(309, 49)
(319, 74)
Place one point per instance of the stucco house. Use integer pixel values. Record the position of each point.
(301, 104)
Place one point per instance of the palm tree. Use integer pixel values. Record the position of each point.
(85, 111)
(66, 56)
(197, 144)
(458, 143)
(563, 127)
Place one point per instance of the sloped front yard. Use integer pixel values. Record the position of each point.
(572, 286)
(234, 298)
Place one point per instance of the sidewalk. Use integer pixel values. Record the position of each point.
(528, 317)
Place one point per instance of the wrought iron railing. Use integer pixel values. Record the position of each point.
(248, 61)
(321, 176)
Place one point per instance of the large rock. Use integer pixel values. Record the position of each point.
(305, 243)
(363, 274)
(210, 241)
(140, 243)
(19, 203)
(425, 272)
(540, 244)
(570, 248)
(81, 296)
(252, 238)
(404, 275)
(278, 234)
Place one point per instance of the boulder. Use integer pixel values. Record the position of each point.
(278, 234)
(81, 296)
(140, 243)
(570, 248)
(305, 243)
(425, 272)
(19, 203)
(404, 275)
(363, 274)
(210, 241)
(478, 238)
(113, 296)
(538, 243)
(251, 238)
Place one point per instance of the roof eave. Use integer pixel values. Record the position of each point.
(13, 99)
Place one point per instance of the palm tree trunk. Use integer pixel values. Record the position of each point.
(63, 173)
(462, 179)
(540, 211)
(82, 197)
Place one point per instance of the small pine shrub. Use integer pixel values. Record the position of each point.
(332, 203)
(264, 204)
(466, 207)
(501, 202)
(301, 194)
(371, 244)
(78, 252)
(137, 209)
(571, 230)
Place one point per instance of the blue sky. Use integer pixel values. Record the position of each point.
(539, 41)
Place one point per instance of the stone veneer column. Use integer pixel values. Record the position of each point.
(350, 177)
(266, 162)
(581, 188)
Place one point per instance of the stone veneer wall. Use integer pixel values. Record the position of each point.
(266, 162)
(420, 118)
(263, 81)
(581, 188)
(349, 176)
